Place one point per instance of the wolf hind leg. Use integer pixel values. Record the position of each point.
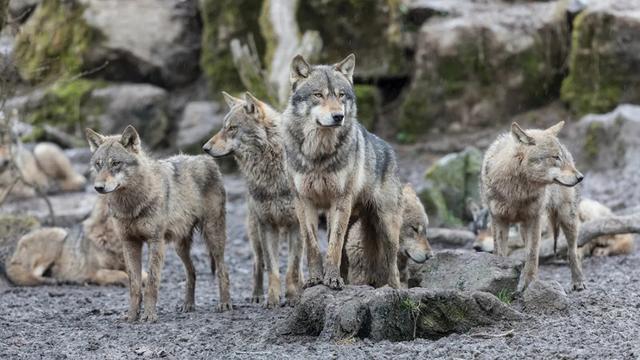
(183, 249)
(531, 230)
(294, 278)
(500, 231)
(156, 262)
(389, 237)
(215, 237)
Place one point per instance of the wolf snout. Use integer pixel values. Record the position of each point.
(100, 188)
(207, 149)
(337, 118)
(580, 177)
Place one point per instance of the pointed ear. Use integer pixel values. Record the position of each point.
(520, 135)
(130, 139)
(407, 190)
(300, 69)
(253, 106)
(94, 139)
(347, 66)
(555, 129)
(230, 100)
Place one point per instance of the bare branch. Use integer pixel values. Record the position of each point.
(451, 237)
(609, 226)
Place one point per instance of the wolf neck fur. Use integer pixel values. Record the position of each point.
(523, 188)
(316, 142)
(130, 201)
(262, 159)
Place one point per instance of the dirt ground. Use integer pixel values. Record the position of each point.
(58, 322)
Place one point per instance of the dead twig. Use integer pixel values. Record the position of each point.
(490, 336)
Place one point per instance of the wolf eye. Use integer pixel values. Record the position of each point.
(556, 157)
(416, 229)
(232, 128)
(318, 95)
(115, 163)
(98, 164)
(341, 95)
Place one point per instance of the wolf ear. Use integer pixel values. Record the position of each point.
(520, 135)
(253, 106)
(300, 69)
(347, 66)
(130, 139)
(230, 100)
(94, 139)
(555, 129)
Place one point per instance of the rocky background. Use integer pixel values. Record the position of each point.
(439, 79)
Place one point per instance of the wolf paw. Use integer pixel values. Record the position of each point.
(149, 316)
(272, 304)
(256, 299)
(600, 251)
(130, 316)
(186, 307)
(312, 281)
(335, 283)
(292, 301)
(222, 307)
(578, 286)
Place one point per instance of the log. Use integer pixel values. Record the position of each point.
(452, 237)
(613, 225)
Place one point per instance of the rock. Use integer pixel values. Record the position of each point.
(467, 271)
(143, 41)
(69, 208)
(375, 23)
(20, 9)
(604, 65)
(608, 148)
(390, 314)
(545, 297)
(369, 105)
(12, 227)
(200, 120)
(141, 105)
(222, 21)
(482, 66)
(451, 182)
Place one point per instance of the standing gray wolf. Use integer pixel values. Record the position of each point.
(335, 165)
(525, 176)
(606, 245)
(88, 253)
(251, 133)
(414, 246)
(159, 202)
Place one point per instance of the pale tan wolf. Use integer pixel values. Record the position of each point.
(414, 245)
(251, 133)
(159, 202)
(88, 253)
(337, 166)
(606, 245)
(525, 176)
(47, 168)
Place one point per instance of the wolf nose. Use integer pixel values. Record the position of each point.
(206, 149)
(580, 177)
(99, 188)
(337, 118)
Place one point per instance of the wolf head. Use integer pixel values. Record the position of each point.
(115, 160)
(322, 95)
(413, 234)
(246, 124)
(546, 160)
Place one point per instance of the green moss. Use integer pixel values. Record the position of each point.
(13, 226)
(370, 29)
(4, 5)
(54, 42)
(597, 76)
(224, 20)
(368, 100)
(63, 106)
(591, 141)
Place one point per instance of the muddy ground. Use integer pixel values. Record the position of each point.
(85, 321)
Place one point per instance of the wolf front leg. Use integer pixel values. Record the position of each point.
(270, 245)
(215, 235)
(569, 227)
(337, 222)
(389, 235)
(156, 261)
(531, 229)
(308, 218)
(500, 231)
(294, 278)
(254, 233)
(132, 251)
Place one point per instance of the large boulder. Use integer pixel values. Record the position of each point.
(467, 271)
(376, 24)
(199, 121)
(390, 314)
(475, 68)
(545, 297)
(609, 148)
(69, 209)
(142, 41)
(604, 65)
(451, 183)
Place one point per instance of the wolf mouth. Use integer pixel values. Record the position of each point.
(328, 126)
(563, 184)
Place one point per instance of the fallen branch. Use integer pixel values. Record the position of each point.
(489, 336)
(608, 226)
(450, 236)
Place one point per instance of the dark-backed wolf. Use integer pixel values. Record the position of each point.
(251, 133)
(527, 175)
(337, 166)
(159, 202)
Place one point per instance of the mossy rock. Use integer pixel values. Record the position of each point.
(4, 5)
(369, 102)
(222, 21)
(453, 181)
(604, 68)
(369, 29)
(55, 42)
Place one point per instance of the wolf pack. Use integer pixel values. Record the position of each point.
(314, 161)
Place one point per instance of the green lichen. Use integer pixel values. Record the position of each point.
(591, 141)
(63, 106)
(4, 5)
(368, 100)
(597, 76)
(376, 24)
(222, 21)
(55, 41)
